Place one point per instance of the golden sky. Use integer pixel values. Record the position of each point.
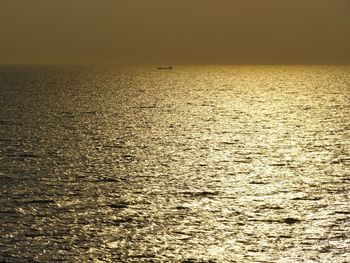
(175, 31)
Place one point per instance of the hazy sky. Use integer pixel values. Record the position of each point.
(175, 31)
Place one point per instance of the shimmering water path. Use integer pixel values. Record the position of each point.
(195, 164)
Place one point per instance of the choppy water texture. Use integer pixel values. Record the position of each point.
(195, 164)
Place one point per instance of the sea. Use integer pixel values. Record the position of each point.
(193, 164)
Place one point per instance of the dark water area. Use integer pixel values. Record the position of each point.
(194, 164)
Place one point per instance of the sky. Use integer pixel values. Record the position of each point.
(175, 31)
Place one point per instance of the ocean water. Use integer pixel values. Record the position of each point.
(195, 164)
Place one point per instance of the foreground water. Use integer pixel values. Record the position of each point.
(196, 164)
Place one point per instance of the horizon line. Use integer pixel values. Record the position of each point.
(174, 64)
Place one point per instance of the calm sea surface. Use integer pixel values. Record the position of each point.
(195, 164)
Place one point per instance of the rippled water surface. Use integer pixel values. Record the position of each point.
(195, 164)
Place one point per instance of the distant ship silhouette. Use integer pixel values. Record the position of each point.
(170, 67)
